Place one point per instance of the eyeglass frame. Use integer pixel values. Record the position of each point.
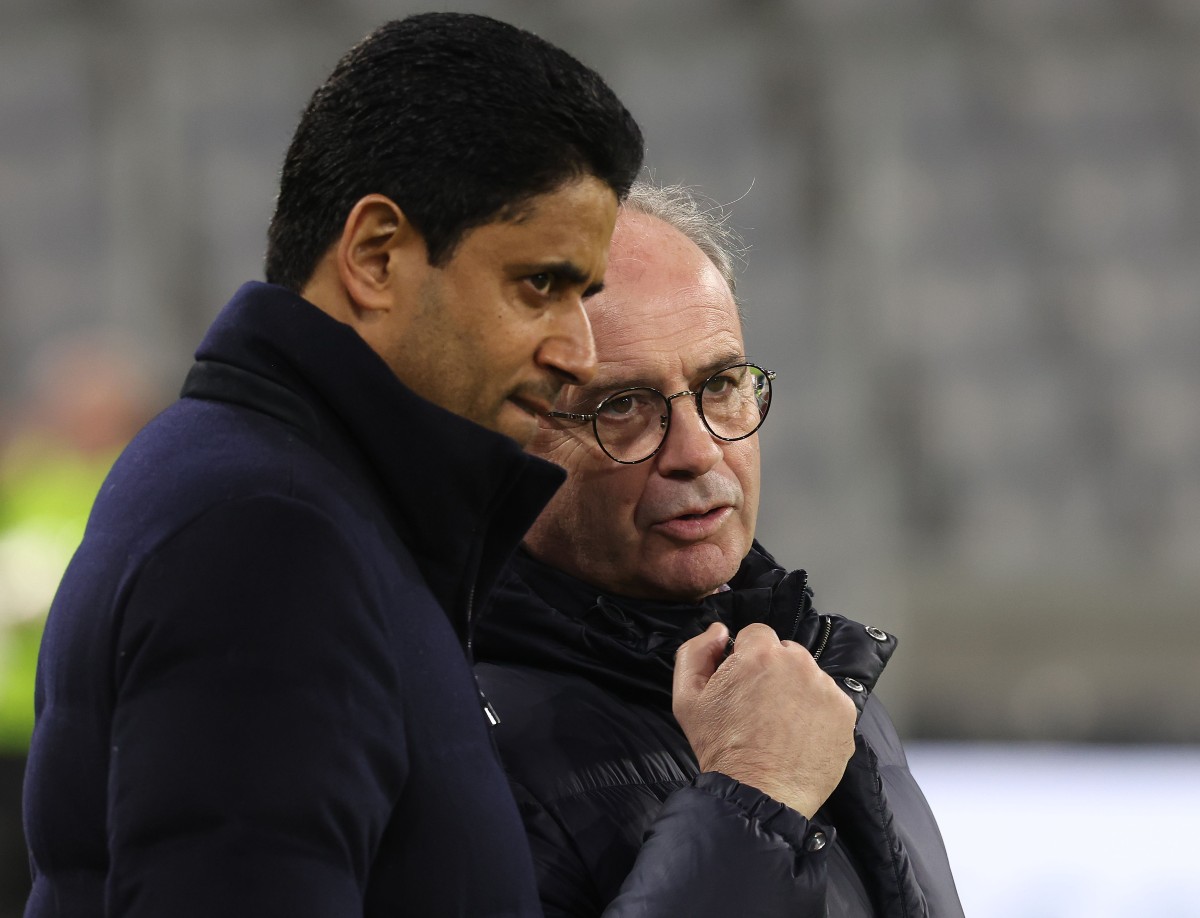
(698, 394)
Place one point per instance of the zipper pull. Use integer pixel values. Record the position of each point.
(488, 711)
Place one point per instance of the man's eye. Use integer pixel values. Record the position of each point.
(542, 283)
(618, 407)
(721, 387)
(636, 403)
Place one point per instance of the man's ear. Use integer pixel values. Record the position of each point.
(378, 249)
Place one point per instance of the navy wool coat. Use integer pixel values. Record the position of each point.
(252, 696)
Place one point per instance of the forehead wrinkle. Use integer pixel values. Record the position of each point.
(615, 306)
(658, 352)
(666, 312)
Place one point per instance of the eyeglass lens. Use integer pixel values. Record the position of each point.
(632, 424)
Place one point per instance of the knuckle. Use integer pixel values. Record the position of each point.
(849, 708)
(757, 632)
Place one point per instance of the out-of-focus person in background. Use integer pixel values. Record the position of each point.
(650, 543)
(86, 397)
(252, 695)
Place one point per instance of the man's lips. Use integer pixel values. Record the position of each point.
(531, 407)
(536, 398)
(694, 526)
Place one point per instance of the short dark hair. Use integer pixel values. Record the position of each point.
(459, 119)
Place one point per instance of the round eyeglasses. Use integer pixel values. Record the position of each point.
(631, 425)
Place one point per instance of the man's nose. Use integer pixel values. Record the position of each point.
(689, 449)
(570, 350)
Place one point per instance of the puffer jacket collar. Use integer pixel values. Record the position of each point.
(548, 619)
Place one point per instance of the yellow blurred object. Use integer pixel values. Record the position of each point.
(46, 493)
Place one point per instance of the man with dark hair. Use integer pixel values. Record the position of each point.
(607, 651)
(253, 696)
(460, 121)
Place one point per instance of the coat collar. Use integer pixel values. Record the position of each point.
(543, 617)
(459, 495)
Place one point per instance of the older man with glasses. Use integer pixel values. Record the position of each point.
(649, 663)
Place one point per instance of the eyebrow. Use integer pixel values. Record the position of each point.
(565, 271)
(616, 384)
(727, 359)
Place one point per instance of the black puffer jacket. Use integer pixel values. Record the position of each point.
(600, 768)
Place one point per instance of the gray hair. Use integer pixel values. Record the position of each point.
(704, 222)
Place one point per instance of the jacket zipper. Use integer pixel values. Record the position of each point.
(489, 710)
(800, 614)
(826, 629)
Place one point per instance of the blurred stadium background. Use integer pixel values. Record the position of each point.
(974, 260)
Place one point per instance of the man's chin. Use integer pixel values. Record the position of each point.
(695, 572)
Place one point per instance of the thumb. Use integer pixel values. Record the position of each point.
(697, 660)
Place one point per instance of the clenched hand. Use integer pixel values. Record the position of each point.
(766, 715)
